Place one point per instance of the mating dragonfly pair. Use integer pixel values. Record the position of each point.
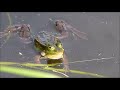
(48, 45)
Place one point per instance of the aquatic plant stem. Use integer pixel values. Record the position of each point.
(9, 19)
(45, 67)
(27, 72)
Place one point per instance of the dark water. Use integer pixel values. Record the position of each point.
(103, 40)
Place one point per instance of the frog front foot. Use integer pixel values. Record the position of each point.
(66, 68)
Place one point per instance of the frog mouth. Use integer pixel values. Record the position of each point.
(58, 55)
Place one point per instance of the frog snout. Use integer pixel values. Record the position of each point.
(59, 50)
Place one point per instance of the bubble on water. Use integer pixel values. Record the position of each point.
(20, 53)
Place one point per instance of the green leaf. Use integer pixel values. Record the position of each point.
(45, 67)
(26, 72)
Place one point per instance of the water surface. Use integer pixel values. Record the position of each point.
(103, 40)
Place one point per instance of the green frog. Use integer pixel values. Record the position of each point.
(50, 47)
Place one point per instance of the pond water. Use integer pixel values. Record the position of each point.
(99, 54)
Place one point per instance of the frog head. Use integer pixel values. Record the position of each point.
(51, 49)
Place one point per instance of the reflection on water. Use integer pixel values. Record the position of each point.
(92, 55)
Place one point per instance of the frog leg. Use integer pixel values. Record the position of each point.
(39, 57)
(65, 62)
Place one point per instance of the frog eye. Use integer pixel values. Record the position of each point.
(59, 45)
(51, 48)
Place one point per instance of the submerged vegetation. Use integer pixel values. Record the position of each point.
(27, 72)
(39, 70)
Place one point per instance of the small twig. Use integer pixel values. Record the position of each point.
(92, 60)
(60, 73)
